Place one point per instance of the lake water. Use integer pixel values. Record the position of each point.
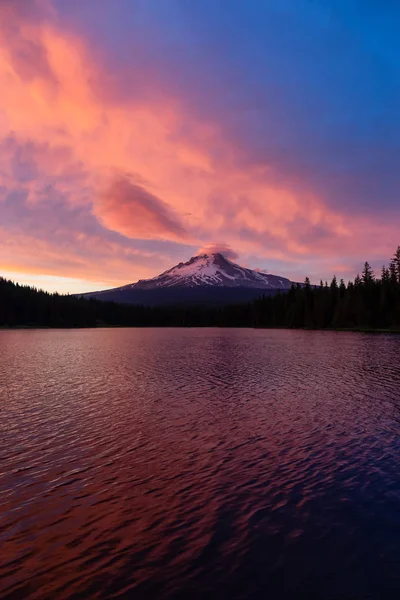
(206, 463)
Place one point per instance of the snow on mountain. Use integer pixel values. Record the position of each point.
(211, 270)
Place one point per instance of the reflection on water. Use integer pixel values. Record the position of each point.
(199, 464)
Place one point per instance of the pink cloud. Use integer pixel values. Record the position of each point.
(130, 209)
(86, 256)
(223, 249)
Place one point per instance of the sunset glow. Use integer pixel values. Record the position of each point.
(128, 143)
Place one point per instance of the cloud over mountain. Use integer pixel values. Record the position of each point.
(223, 249)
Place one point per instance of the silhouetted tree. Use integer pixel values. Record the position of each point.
(367, 274)
(393, 271)
(396, 261)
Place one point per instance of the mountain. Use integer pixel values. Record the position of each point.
(207, 278)
(211, 270)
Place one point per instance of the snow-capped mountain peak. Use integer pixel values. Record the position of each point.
(211, 270)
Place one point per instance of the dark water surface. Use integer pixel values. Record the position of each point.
(165, 463)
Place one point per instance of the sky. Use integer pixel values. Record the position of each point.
(136, 133)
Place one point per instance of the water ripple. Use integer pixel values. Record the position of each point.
(199, 463)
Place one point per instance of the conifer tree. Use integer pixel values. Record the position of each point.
(367, 274)
(385, 275)
(396, 261)
(393, 272)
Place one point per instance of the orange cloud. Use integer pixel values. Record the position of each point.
(133, 211)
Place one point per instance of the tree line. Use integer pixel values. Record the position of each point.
(368, 302)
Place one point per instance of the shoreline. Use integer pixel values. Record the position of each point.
(337, 330)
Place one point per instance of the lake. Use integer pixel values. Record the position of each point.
(204, 463)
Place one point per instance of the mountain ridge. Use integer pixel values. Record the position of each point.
(211, 270)
(205, 278)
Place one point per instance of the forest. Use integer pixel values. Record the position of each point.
(369, 302)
